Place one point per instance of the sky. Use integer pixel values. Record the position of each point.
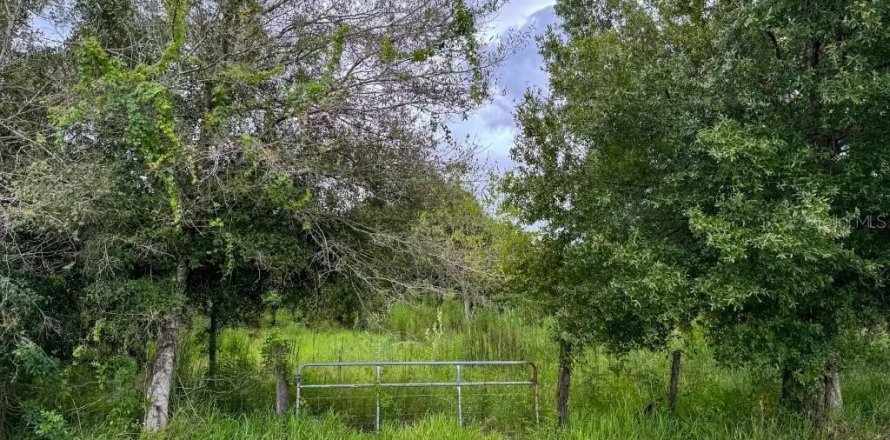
(492, 126)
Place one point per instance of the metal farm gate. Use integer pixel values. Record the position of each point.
(372, 385)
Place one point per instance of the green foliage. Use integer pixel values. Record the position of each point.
(176, 15)
(420, 55)
(23, 362)
(115, 377)
(693, 163)
(338, 44)
(200, 160)
(609, 399)
(277, 352)
(316, 91)
(109, 22)
(111, 90)
(464, 26)
(282, 192)
(388, 52)
(45, 424)
(33, 363)
(126, 308)
(273, 299)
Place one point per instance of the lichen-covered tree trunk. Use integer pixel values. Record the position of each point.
(282, 389)
(674, 389)
(832, 400)
(161, 377)
(564, 379)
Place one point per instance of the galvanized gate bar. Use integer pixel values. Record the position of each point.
(414, 384)
(388, 363)
(460, 406)
(458, 383)
(377, 399)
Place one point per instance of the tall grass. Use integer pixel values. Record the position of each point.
(608, 400)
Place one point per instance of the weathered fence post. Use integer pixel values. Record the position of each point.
(674, 387)
(564, 380)
(282, 388)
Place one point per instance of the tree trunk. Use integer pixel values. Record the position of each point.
(161, 377)
(793, 391)
(2, 417)
(830, 403)
(832, 400)
(212, 341)
(674, 390)
(282, 389)
(562, 385)
(160, 382)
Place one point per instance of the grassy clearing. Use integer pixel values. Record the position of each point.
(608, 396)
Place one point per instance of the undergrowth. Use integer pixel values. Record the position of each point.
(608, 401)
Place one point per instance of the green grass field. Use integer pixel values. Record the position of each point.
(607, 400)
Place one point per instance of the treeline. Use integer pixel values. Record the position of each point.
(226, 158)
(713, 164)
(694, 165)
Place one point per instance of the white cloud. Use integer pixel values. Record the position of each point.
(492, 126)
(514, 15)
